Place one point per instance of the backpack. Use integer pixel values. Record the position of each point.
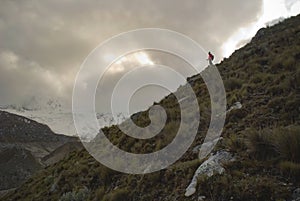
(211, 56)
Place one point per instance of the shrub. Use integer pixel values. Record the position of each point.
(257, 78)
(239, 187)
(235, 143)
(297, 76)
(100, 193)
(260, 144)
(117, 195)
(279, 142)
(277, 65)
(276, 104)
(292, 170)
(233, 83)
(81, 195)
(289, 63)
(287, 142)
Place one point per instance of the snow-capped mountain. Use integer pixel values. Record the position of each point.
(56, 115)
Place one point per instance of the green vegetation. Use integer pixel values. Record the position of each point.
(117, 195)
(81, 195)
(280, 143)
(264, 136)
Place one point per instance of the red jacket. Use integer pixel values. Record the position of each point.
(210, 56)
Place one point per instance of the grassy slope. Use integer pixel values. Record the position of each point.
(265, 76)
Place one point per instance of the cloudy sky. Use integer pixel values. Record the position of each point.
(43, 43)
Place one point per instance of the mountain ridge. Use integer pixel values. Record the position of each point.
(23, 145)
(263, 136)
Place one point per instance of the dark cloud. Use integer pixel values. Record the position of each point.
(43, 43)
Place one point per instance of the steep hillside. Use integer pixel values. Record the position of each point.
(263, 136)
(59, 153)
(15, 128)
(23, 143)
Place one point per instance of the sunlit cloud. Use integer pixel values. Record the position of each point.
(272, 10)
(143, 58)
(131, 61)
(44, 43)
(122, 60)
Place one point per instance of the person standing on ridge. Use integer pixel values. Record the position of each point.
(210, 58)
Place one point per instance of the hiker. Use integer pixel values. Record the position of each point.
(210, 58)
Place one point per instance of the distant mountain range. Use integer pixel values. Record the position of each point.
(59, 119)
(263, 137)
(27, 146)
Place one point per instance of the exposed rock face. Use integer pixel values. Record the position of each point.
(256, 75)
(210, 167)
(296, 195)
